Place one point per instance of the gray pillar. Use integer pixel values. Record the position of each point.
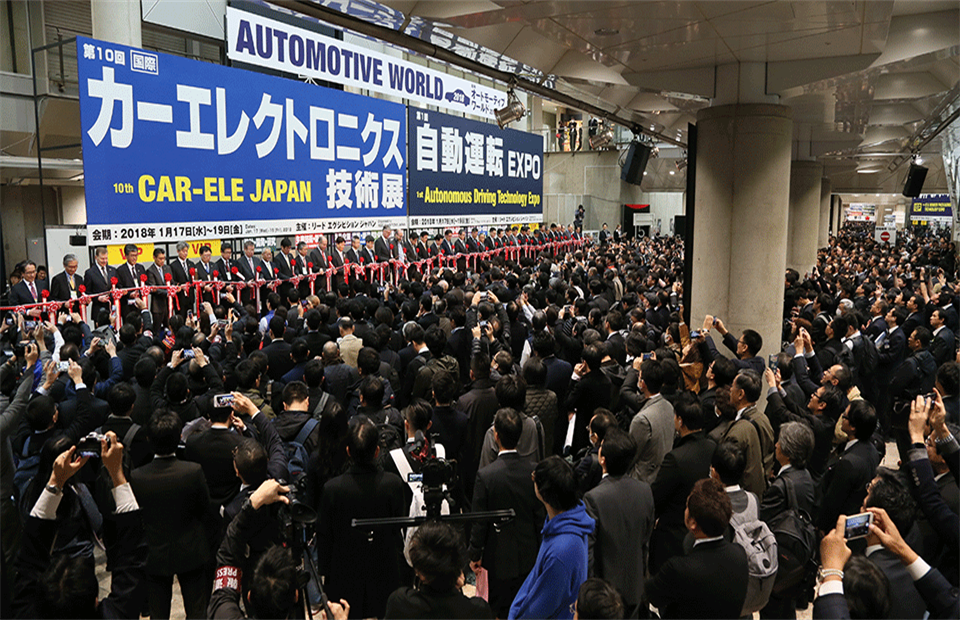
(116, 21)
(823, 238)
(742, 201)
(804, 215)
(839, 209)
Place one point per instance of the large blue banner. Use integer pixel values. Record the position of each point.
(464, 172)
(175, 148)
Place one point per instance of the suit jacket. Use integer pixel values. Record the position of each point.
(688, 462)
(746, 436)
(891, 352)
(213, 450)
(652, 427)
(174, 499)
(60, 286)
(243, 266)
(224, 270)
(593, 390)
(623, 510)
(319, 259)
(278, 358)
(20, 293)
(125, 279)
(876, 327)
(373, 570)
(844, 484)
(353, 255)
(181, 276)
(558, 376)
(943, 346)
(775, 501)
(709, 582)
(156, 277)
(511, 552)
(385, 249)
(905, 600)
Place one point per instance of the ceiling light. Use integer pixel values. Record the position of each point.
(602, 139)
(918, 160)
(644, 173)
(513, 111)
(605, 32)
(672, 172)
(868, 171)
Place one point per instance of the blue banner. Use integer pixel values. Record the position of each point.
(175, 148)
(931, 205)
(465, 172)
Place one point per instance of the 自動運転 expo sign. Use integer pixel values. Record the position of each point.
(175, 148)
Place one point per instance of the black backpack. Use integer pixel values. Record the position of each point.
(389, 435)
(796, 543)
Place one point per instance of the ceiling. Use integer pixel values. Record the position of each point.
(864, 78)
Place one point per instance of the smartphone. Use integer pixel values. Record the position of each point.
(29, 325)
(63, 366)
(858, 526)
(772, 361)
(222, 400)
(188, 353)
(222, 322)
(189, 314)
(9, 320)
(694, 334)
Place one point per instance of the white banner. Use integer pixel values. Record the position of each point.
(265, 42)
(885, 234)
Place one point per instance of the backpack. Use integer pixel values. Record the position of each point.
(390, 437)
(418, 507)
(297, 455)
(796, 542)
(424, 380)
(321, 405)
(26, 471)
(762, 562)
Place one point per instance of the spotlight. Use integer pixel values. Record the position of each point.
(602, 139)
(513, 111)
(681, 164)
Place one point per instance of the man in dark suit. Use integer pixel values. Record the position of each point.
(473, 242)
(180, 269)
(623, 509)
(593, 390)
(128, 275)
(711, 580)
(224, 267)
(213, 451)
(278, 351)
(283, 265)
(175, 502)
(364, 491)
(368, 254)
(156, 276)
(746, 348)
(29, 290)
(423, 251)
(877, 324)
(688, 462)
(446, 246)
(460, 248)
(558, 371)
(480, 404)
(247, 267)
(384, 247)
(338, 259)
(508, 552)
(844, 484)
(204, 272)
(356, 247)
(887, 491)
(65, 285)
(943, 346)
(891, 351)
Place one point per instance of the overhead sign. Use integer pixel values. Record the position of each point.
(885, 234)
(464, 172)
(929, 206)
(861, 212)
(175, 148)
(284, 43)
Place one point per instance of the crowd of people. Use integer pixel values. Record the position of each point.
(236, 447)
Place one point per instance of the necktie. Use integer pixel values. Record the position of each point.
(133, 272)
(252, 270)
(103, 270)
(207, 267)
(33, 291)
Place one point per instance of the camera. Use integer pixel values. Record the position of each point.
(188, 353)
(90, 445)
(9, 320)
(63, 366)
(29, 325)
(222, 400)
(694, 334)
(222, 322)
(858, 526)
(297, 511)
(484, 325)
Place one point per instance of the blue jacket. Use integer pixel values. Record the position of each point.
(561, 568)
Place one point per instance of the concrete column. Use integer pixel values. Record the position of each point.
(116, 21)
(823, 238)
(838, 214)
(742, 205)
(804, 215)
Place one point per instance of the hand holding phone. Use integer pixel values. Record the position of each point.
(858, 526)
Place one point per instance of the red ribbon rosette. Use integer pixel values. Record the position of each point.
(168, 277)
(259, 268)
(216, 274)
(310, 265)
(45, 293)
(82, 289)
(113, 281)
(234, 270)
(276, 271)
(193, 271)
(143, 277)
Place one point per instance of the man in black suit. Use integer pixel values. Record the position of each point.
(364, 491)
(615, 343)
(887, 491)
(121, 398)
(460, 248)
(224, 268)
(213, 451)
(688, 462)
(65, 285)
(204, 272)
(891, 351)
(156, 276)
(385, 248)
(944, 345)
(593, 390)
(844, 484)
(356, 247)
(423, 251)
(284, 263)
(338, 258)
(623, 509)
(180, 269)
(128, 275)
(368, 254)
(480, 404)
(877, 324)
(473, 242)
(508, 552)
(247, 266)
(175, 501)
(446, 246)
(558, 370)
(711, 580)
(29, 290)
(278, 351)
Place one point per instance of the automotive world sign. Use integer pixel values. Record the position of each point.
(273, 43)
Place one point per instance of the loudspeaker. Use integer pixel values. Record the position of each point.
(636, 162)
(680, 226)
(915, 179)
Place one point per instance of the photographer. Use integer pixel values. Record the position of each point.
(437, 554)
(64, 586)
(274, 582)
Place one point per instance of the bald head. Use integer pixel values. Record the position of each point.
(330, 351)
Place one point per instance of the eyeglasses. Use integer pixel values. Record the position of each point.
(573, 608)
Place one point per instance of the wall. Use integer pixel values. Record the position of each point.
(73, 205)
(592, 178)
(22, 222)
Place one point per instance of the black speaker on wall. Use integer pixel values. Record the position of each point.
(915, 179)
(635, 163)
